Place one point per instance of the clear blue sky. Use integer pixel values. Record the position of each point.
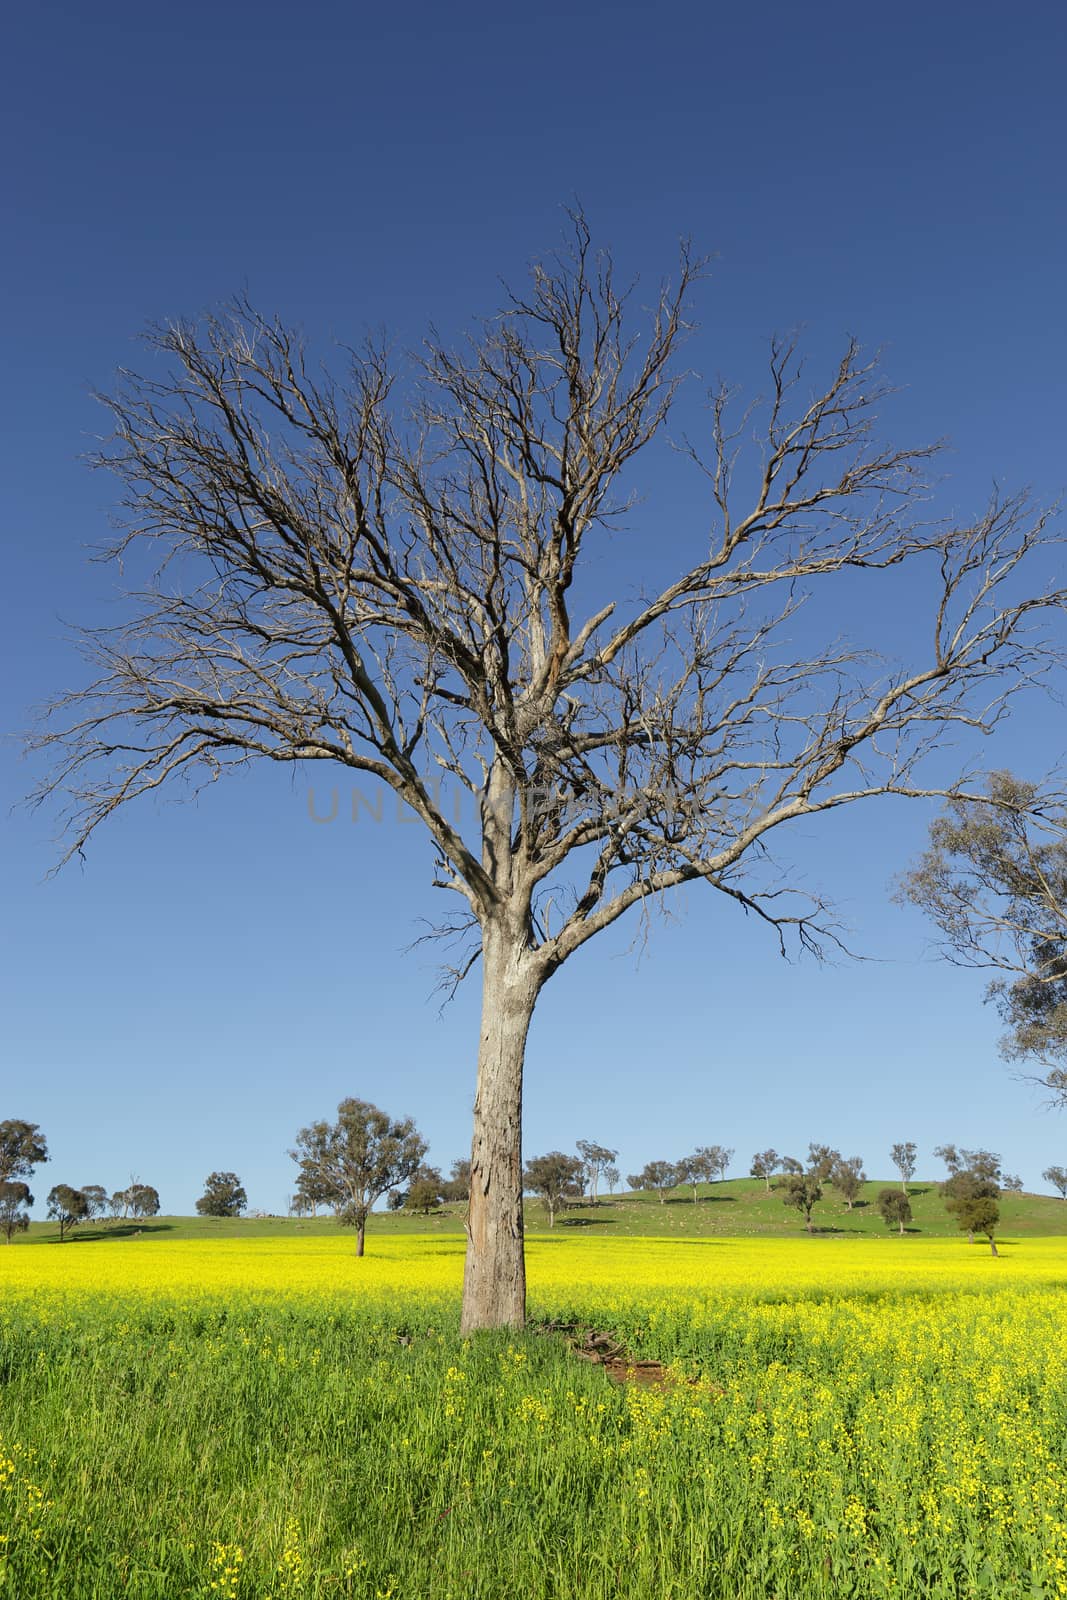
(220, 973)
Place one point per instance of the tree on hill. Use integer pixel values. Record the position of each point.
(994, 881)
(357, 1159)
(791, 1166)
(458, 1185)
(895, 1208)
(803, 1192)
(660, 1177)
(395, 1200)
(611, 1178)
(67, 1206)
(822, 1159)
(97, 1199)
(764, 1165)
(223, 1195)
(903, 1158)
(15, 1201)
(425, 1191)
(22, 1147)
(848, 1177)
(972, 1198)
(555, 1178)
(1057, 1176)
(596, 1158)
(403, 574)
(143, 1200)
(1011, 1183)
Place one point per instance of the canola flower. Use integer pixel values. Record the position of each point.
(272, 1418)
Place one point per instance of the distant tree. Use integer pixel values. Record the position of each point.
(97, 1198)
(595, 1158)
(313, 1191)
(555, 1178)
(764, 1165)
(458, 1185)
(985, 1163)
(791, 1166)
(803, 1192)
(1011, 1183)
(695, 1169)
(425, 1190)
(223, 1196)
(895, 1207)
(22, 1147)
(822, 1158)
(903, 1158)
(972, 1198)
(951, 1157)
(848, 1177)
(994, 880)
(659, 1176)
(67, 1206)
(1057, 1176)
(395, 1200)
(357, 1159)
(15, 1199)
(611, 1178)
(143, 1200)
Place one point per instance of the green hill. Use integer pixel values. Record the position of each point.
(736, 1206)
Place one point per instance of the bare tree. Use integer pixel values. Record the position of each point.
(410, 581)
(994, 880)
(596, 1158)
(903, 1158)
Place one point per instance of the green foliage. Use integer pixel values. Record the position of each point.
(660, 1177)
(425, 1191)
(223, 1196)
(555, 1178)
(15, 1201)
(803, 1192)
(67, 1206)
(903, 1157)
(895, 1208)
(352, 1162)
(848, 1177)
(765, 1165)
(1057, 1176)
(22, 1147)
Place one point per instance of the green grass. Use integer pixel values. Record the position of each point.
(738, 1207)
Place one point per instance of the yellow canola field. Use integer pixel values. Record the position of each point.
(566, 1265)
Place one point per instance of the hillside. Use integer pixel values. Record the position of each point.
(739, 1206)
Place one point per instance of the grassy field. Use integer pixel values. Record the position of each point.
(737, 1207)
(263, 1415)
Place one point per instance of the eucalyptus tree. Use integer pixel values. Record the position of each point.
(413, 577)
(903, 1157)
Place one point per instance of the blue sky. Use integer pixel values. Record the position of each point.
(217, 974)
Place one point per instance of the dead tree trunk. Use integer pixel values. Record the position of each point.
(494, 1277)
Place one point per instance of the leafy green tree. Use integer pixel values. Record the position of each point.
(354, 1161)
(1057, 1176)
(595, 1158)
(952, 1158)
(223, 1196)
(803, 1192)
(97, 1199)
(425, 1190)
(658, 1176)
(395, 1200)
(822, 1159)
(903, 1158)
(22, 1147)
(458, 1185)
(994, 881)
(764, 1165)
(15, 1200)
(555, 1178)
(611, 1178)
(143, 1200)
(791, 1166)
(67, 1206)
(972, 1198)
(895, 1208)
(848, 1177)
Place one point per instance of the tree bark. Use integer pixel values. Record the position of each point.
(494, 1277)
(361, 1234)
(993, 1246)
(902, 1227)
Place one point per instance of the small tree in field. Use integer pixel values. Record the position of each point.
(658, 1176)
(972, 1198)
(595, 1159)
(1057, 1176)
(555, 1179)
(764, 1165)
(357, 1159)
(612, 1176)
(458, 1185)
(803, 1192)
(67, 1206)
(903, 1158)
(15, 1199)
(848, 1177)
(223, 1196)
(143, 1200)
(895, 1208)
(97, 1199)
(425, 1191)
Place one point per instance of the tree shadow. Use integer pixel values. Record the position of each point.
(126, 1231)
(702, 1200)
(585, 1222)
